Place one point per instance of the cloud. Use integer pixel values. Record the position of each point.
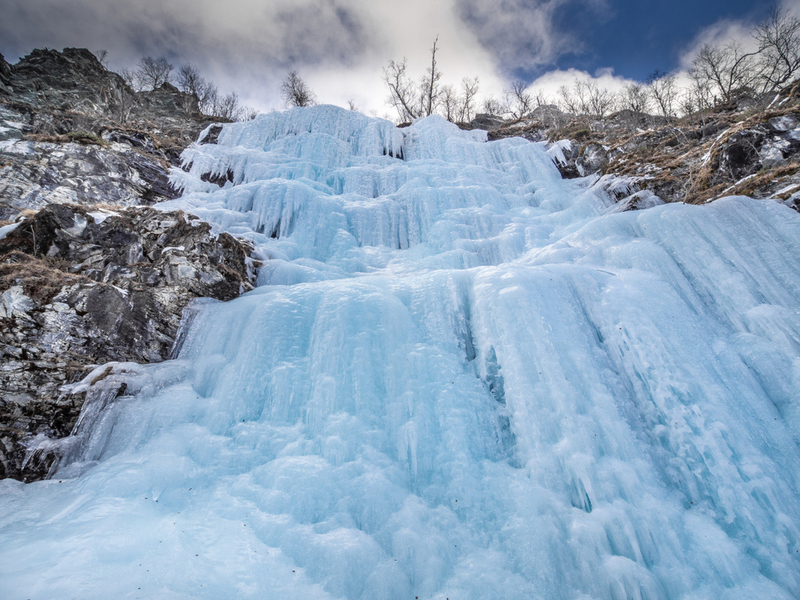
(549, 83)
(339, 46)
(280, 31)
(525, 34)
(719, 34)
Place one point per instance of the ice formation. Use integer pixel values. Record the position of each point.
(460, 378)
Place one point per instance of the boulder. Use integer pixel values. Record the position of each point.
(593, 158)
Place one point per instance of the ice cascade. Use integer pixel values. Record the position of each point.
(460, 377)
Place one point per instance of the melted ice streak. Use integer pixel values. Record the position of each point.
(461, 377)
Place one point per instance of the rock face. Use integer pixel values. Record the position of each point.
(72, 131)
(80, 288)
(36, 173)
(94, 275)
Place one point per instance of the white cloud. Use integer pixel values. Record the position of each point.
(719, 34)
(550, 82)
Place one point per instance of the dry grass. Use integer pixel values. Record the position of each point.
(761, 179)
(81, 137)
(39, 279)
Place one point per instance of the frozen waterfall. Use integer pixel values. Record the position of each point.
(460, 377)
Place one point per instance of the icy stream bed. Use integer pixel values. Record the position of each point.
(460, 378)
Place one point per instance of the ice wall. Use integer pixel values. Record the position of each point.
(460, 378)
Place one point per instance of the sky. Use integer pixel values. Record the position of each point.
(340, 47)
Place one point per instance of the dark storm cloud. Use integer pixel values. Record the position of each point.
(274, 33)
(245, 45)
(339, 36)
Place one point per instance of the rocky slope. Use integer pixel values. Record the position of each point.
(72, 131)
(749, 147)
(89, 274)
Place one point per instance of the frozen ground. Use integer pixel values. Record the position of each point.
(460, 378)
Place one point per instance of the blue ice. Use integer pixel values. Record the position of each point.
(460, 377)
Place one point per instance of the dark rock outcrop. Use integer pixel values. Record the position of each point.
(80, 288)
(72, 131)
(5, 76)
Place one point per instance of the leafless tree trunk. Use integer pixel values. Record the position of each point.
(229, 108)
(189, 80)
(449, 103)
(568, 102)
(469, 89)
(599, 100)
(540, 98)
(491, 106)
(430, 83)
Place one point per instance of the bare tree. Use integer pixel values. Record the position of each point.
(599, 100)
(581, 89)
(492, 106)
(728, 68)
(102, 57)
(469, 90)
(449, 103)
(295, 91)
(189, 80)
(351, 105)
(700, 92)
(664, 91)
(191, 83)
(567, 100)
(634, 97)
(130, 79)
(585, 98)
(401, 90)
(430, 83)
(778, 41)
(518, 100)
(540, 98)
(409, 100)
(247, 113)
(208, 103)
(124, 100)
(228, 107)
(152, 72)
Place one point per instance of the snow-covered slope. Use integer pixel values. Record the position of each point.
(461, 377)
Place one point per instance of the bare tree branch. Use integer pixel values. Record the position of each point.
(519, 101)
(400, 90)
(295, 91)
(152, 73)
(430, 83)
(778, 41)
(664, 91)
(469, 90)
(728, 68)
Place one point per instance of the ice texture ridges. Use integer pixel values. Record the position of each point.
(461, 377)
